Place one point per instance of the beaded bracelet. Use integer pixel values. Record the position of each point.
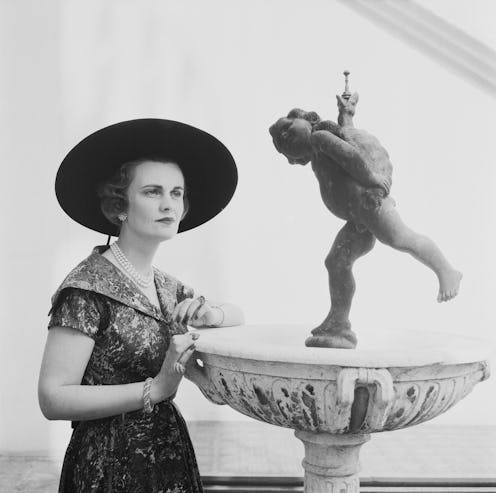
(147, 401)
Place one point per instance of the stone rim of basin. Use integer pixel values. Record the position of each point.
(404, 347)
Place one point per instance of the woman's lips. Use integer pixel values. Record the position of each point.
(166, 220)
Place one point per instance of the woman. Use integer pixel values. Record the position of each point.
(118, 341)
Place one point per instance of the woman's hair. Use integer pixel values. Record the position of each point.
(113, 192)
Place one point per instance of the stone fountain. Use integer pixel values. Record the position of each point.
(335, 399)
(333, 395)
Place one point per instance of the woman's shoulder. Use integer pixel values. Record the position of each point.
(76, 301)
(86, 270)
(94, 273)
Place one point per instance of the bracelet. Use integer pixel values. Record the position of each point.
(147, 401)
(223, 315)
(219, 307)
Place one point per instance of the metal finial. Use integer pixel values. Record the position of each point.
(346, 94)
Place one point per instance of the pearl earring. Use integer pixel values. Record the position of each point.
(122, 217)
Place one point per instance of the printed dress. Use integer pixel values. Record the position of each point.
(134, 452)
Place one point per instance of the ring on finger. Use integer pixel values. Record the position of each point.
(179, 368)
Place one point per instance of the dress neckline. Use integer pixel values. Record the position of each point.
(159, 308)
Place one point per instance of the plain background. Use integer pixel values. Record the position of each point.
(71, 67)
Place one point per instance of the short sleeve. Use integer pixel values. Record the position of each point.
(183, 292)
(77, 309)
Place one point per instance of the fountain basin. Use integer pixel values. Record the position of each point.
(392, 380)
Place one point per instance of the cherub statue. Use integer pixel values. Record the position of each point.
(354, 174)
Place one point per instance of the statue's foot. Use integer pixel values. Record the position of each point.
(449, 285)
(338, 341)
(332, 335)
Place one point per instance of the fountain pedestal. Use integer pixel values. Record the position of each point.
(335, 398)
(331, 462)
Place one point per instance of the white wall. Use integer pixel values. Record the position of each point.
(232, 68)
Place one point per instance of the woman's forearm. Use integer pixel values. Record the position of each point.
(85, 402)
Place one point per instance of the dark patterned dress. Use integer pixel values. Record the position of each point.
(134, 452)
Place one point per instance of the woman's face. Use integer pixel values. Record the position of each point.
(156, 201)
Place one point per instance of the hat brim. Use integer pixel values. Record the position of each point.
(208, 167)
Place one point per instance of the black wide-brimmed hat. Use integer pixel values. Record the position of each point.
(208, 167)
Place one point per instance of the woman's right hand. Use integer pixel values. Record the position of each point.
(166, 382)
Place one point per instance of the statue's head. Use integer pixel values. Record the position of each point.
(291, 135)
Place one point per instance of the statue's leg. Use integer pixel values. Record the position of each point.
(349, 245)
(387, 226)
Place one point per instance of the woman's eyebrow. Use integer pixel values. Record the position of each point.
(152, 185)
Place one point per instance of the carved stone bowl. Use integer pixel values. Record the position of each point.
(335, 398)
(392, 380)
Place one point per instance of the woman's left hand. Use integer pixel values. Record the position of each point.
(196, 312)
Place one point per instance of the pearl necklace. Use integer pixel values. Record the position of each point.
(139, 279)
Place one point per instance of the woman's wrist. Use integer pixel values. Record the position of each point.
(158, 391)
(162, 388)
